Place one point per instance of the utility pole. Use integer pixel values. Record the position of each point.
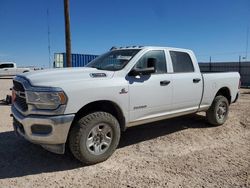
(67, 33)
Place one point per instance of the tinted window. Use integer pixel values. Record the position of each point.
(6, 65)
(181, 62)
(159, 56)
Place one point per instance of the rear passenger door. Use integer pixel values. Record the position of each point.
(187, 82)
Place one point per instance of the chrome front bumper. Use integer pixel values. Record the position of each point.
(54, 140)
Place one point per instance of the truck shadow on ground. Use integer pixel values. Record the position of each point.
(20, 158)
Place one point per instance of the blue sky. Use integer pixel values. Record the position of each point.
(215, 28)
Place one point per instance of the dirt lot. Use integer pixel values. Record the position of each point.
(181, 152)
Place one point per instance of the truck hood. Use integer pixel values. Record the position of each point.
(55, 77)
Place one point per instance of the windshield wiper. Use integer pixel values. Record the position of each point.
(98, 68)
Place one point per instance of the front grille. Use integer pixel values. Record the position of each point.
(20, 100)
(21, 103)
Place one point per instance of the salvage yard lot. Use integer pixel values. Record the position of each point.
(184, 152)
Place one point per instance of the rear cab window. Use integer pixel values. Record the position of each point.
(181, 62)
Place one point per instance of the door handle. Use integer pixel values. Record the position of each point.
(196, 80)
(164, 82)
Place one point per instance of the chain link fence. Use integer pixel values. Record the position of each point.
(242, 67)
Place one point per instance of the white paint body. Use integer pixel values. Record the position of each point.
(11, 69)
(181, 96)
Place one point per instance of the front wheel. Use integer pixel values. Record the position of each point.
(94, 137)
(218, 112)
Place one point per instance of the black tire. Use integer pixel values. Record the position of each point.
(215, 116)
(85, 129)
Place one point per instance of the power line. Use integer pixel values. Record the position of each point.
(48, 26)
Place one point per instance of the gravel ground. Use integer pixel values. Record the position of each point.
(181, 152)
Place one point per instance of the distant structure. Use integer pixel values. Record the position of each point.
(77, 60)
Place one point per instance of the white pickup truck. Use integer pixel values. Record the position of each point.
(10, 69)
(88, 107)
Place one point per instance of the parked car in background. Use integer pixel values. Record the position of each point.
(10, 69)
(89, 107)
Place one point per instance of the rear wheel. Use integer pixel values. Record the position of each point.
(218, 112)
(94, 137)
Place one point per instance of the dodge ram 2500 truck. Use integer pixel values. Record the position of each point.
(88, 107)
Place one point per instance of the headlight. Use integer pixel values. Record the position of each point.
(46, 100)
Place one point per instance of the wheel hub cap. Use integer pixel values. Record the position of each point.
(221, 111)
(99, 139)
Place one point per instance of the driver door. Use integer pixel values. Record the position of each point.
(150, 95)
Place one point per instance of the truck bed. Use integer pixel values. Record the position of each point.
(213, 81)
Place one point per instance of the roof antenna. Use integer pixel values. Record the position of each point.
(48, 26)
(113, 48)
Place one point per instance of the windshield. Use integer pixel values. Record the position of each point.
(113, 60)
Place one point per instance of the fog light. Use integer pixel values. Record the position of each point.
(41, 129)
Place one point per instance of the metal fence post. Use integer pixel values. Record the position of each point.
(210, 64)
(239, 64)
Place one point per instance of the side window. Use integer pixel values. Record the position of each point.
(181, 62)
(159, 56)
(9, 65)
(6, 66)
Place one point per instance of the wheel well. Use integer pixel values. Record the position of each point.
(105, 106)
(225, 92)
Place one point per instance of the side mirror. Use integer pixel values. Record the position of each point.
(151, 68)
(144, 71)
